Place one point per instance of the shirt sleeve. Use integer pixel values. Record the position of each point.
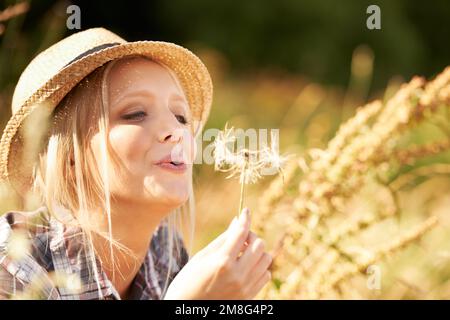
(7, 284)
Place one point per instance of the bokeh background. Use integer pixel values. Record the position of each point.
(299, 66)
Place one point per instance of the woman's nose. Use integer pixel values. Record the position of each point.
(169, 129)
(171, 135)
(172, 138)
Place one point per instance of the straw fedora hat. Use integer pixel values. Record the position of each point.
(55, 71)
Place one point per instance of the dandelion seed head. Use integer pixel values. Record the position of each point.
(250, 175)
(245, 163)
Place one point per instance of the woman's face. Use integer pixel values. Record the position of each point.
(150, 135)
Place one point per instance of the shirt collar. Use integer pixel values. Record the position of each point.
(61, 247)
(72, 257)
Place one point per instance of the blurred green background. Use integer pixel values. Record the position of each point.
(316, 38)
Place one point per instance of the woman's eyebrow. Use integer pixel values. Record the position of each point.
(144, 93)
(179, 97)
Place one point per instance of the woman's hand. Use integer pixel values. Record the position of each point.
(232, 266)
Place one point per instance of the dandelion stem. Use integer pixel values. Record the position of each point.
(241, 198)
(243, 180)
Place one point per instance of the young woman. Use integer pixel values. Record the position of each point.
(103, 130)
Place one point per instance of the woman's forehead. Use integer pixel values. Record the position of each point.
(140, 75)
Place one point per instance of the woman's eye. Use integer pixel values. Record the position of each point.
(182, 119)
(135, 115)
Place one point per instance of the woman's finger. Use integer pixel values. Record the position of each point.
(252, 254)
(250, 239)
(237, 235)
(261, 266)
(259, 284)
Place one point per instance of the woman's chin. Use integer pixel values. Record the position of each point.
(170, 192)
(176, 199)
(173, 197)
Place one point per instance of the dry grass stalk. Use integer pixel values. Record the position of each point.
(378, 254)
(274, 193)
(14, 11)
(11, 12)
(309, 250)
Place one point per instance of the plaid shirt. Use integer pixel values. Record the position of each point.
(57, 249)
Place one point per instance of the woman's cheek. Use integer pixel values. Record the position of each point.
(129, 144)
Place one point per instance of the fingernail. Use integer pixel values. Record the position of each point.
(245, 213)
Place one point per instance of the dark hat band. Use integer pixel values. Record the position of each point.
(95, 49)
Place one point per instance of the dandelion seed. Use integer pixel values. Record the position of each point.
(223, 157)
(271, 157)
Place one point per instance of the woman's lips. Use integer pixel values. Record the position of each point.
(170, 166)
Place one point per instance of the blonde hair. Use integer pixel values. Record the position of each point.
(83, 112)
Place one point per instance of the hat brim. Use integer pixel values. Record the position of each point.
(193, 76)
